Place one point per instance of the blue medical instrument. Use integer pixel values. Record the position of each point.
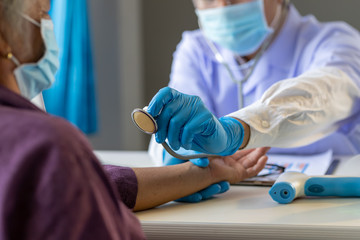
(147, 123)
(291, 185)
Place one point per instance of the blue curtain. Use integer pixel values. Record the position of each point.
(73, 94)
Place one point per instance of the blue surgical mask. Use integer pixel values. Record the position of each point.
(33, 78)
(241, 28)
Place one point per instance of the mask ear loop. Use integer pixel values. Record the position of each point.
(27, 17)
(283, 8)
(11, 57)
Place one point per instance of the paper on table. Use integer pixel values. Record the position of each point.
(309, 164)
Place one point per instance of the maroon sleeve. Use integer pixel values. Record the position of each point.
(53, 187)
(126, 183)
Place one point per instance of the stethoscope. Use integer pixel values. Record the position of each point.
(264, 46)
(147, 123)
(239, 83)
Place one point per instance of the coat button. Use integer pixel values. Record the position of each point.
(265, 124)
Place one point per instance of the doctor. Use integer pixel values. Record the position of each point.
(280, 79)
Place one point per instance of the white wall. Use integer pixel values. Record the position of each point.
(116, 30)
(331, 10)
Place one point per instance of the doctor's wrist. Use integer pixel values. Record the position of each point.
(246, 138)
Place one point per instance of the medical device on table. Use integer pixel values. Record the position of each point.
(291, 185)
(147, 123)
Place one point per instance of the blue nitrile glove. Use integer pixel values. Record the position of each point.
(204, 194)
(186, 122)
(168, 159)
(207, 193)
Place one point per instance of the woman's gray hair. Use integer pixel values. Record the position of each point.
(11, 23)
(9, 10)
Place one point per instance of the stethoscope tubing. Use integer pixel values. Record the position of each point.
(186, 157)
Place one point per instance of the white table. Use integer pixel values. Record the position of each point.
(125, 158)
(249, 213)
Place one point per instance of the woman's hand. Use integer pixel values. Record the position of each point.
(159, 185)
(239, 166)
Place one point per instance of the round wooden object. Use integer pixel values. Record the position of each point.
(144, 121)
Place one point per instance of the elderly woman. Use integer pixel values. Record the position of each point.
(52, 186)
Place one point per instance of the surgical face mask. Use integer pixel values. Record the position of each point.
(241, 28)
(33, 78)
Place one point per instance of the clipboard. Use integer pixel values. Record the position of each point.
(329, 165)
(267, 181)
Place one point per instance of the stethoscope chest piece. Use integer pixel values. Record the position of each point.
(144, 121)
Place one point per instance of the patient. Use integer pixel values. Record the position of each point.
(52, 186)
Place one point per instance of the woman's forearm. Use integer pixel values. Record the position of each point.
(159, 185)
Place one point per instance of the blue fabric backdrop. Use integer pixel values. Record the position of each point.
(73, 94)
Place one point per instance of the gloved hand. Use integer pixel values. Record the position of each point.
(204, 194)
(186, 122)
(207, 193)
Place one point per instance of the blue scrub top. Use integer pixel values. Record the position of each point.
(303, 44)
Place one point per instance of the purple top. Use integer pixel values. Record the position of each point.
(51, 184)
